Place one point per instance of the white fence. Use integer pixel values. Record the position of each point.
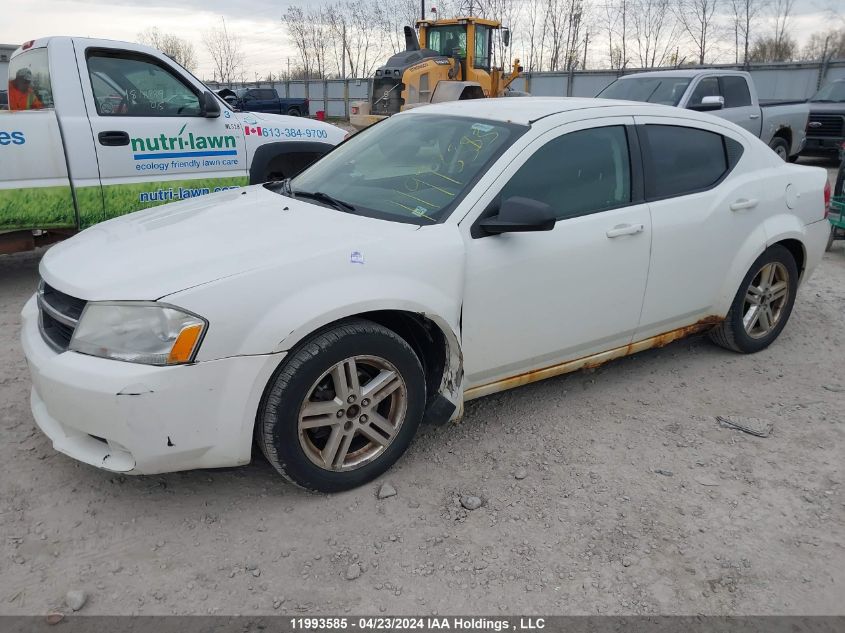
(786, 80)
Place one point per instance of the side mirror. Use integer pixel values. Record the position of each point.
(506, 37)
(520, 215)
(708, 104)
(210, 106)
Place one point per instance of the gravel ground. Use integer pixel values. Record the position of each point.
(612, 491)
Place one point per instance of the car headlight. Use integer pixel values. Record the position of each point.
(138, 332)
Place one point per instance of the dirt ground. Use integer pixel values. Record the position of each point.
(731, 523)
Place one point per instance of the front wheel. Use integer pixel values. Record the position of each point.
(342, 408)
(762, 305)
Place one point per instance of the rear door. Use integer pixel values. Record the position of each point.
(153, 144)
(701, 212)
(35, 191)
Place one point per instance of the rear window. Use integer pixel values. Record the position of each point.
(683, 160)
(29, 81)
(662, 90)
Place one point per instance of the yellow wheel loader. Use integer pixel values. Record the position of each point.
(454, 63)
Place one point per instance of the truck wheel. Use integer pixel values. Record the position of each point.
(780, 147)
(294, 112)
(830, 239)
(762, 305)
(342, 408)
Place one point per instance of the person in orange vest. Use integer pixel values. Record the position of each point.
(22, 95)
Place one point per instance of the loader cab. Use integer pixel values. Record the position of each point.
(471, 39)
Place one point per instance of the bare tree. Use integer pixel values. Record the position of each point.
(744, 13)
(656, 33)
(771, 49)
(696, 18)
(782, 10)
(613, 20)
(178, 49)
(226, 53)
(830, 45)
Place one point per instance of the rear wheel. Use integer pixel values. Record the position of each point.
(342, 408)
(294, 112)
(762, 304)
(780, 147)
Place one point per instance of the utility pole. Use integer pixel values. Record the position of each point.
(343, 54)
(422, 9)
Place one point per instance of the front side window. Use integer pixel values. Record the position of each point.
(445, 39)
(736, 93)
(682, 160)
(578, 173)
(707, 87)
(409, 168)
(663, 90)
(482, 46)
(29, 81)
(137, 85)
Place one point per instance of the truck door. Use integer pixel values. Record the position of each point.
(738, 107)
(35, 191)
(153, 143)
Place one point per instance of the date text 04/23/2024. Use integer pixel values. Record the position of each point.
(456, 623)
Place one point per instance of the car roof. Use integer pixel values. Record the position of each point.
(690, 72)
(525, 110)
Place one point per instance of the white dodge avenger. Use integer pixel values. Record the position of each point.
(447, 253)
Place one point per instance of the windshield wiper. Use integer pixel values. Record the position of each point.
(319, 196)
(279, 186)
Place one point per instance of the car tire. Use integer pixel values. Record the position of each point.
(780, 147)
(294, 112)
(316, 425)
(745, 331)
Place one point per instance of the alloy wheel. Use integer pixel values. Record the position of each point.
(352, 413)
(765, 300)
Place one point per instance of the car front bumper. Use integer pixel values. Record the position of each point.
(141, 419)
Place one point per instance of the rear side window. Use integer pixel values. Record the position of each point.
(578, 173)
(29, 81)
(683, 160)
(735, 91)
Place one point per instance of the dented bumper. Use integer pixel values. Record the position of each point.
(140, 419)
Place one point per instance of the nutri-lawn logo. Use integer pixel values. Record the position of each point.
(183, 146)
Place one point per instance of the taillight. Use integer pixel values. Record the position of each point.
(27, 45)
(826, 199)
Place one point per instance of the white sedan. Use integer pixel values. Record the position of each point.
(450, 252)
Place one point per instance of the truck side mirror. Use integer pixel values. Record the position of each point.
(210, 107)
(708, 104)
(506, 37)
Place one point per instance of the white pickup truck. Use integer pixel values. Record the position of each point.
(99, 128)
(728, 94)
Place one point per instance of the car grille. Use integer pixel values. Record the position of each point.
(59, 314)
(825, 125)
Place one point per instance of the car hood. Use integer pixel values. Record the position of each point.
(156, 252)
(822, 107)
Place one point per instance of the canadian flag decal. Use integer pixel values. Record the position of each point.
(252, 130)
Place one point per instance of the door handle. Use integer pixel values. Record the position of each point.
(113, 138)
(625, 229)
(753, 116)
(744, 203)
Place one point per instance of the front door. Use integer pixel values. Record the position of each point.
(533, 300)
(153, 144)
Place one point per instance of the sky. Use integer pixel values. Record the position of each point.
(258, 22)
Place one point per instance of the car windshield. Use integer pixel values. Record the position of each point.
(662, 90)
(412, 168)
(834, 91)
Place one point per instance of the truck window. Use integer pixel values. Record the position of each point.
(482, 46)
(129, 84)
(29, 81)
(445, 39)
(735, 91)
(707, 87)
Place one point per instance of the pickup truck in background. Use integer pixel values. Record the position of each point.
(826, 129)
(728, 94)
(263, 100)
(113, 127)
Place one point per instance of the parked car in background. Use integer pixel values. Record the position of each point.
(727, 94)
(826, 127)
(450, 252)
(4, 100)
(263, 100)
(136, 132)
